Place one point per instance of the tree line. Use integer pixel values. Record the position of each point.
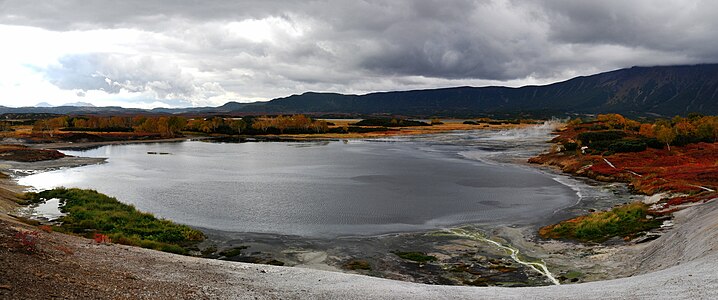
(676, 131)
(170, 126)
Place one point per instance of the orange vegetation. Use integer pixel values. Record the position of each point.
(691, 169)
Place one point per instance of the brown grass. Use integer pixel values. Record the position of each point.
(399, 131)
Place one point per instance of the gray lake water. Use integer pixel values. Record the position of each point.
(328, 189)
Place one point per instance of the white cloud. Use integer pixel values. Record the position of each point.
(142, 53)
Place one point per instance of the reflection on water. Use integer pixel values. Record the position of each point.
(48, 210)
(327, 189)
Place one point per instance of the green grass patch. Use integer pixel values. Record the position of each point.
(275, 262)
(28, 198)
(357, 264)
(87, 211)
(415, 256)
(233, 251)
(573, 275)
(622, 221)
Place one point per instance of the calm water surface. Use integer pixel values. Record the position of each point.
(330, 188)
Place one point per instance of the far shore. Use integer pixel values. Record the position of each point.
(448, 126)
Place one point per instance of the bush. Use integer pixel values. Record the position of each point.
(415, 256)
(357, 264)
(627, 146)
(233, 251)
(653, 143)
(570, 146)
(682, 140)
(618, 146)
(598, 127)
(28, 240)
(591, 137)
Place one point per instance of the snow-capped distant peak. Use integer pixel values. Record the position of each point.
(79, 104)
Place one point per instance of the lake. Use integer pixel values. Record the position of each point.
(328, 189)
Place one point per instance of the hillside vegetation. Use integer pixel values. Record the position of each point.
(677, 157)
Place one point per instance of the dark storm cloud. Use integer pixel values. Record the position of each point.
(682, 26)
(81, 14)
(369, 45)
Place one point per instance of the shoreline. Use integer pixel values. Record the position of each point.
(92, 145)
(276, 247)
(392, 132)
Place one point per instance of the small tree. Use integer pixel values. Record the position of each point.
(575, 122)
(647, 130)
(665, 134)
(613, 120)
(238, 125)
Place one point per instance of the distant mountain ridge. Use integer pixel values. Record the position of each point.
(43, 104)
(662, 90)
(75, 104)
(635, 91)
(80, 104)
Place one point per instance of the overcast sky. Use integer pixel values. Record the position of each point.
(144, 53)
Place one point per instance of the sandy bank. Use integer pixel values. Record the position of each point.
(12, 167)
(90, 145)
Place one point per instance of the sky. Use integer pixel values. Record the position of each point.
(188, 53)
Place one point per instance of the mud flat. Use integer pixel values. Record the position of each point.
(26, 168)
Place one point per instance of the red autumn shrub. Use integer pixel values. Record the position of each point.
(28, 240)
(102, 238)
